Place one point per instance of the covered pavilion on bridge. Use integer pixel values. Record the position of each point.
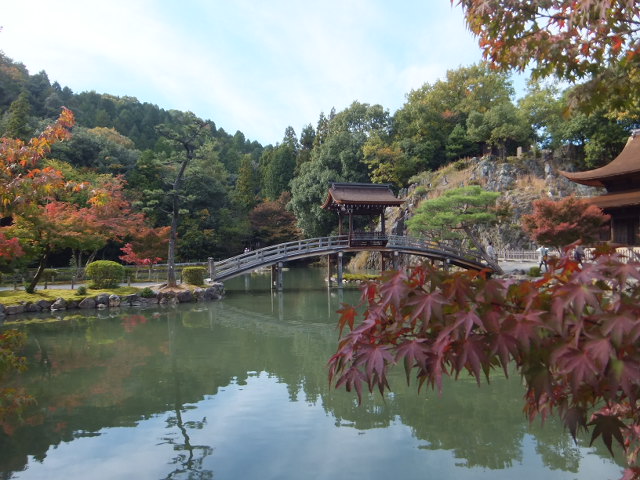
(368, 199)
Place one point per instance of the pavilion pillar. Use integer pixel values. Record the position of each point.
(339, 224)
(350, 225)
(396, 262)
(382, 222)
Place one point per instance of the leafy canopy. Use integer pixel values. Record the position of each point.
(559, 223)
(458, 208)
(572, 39)
(572, 335)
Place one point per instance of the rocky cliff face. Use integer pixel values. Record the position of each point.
(521, 180)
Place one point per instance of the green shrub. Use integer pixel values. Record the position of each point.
(146, 292)
(534, 272)
(105, 274)
(82, 290)
(49, 274)
(420, 190)
(194, 275)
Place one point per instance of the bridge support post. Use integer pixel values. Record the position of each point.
(329, 270)
(274, 268)
(212, 269)
(396, 260)
(279, 279)
(339, 267)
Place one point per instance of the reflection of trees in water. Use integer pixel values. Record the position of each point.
(189, 460)
(182, 354)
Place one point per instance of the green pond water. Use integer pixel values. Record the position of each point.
(237, 389)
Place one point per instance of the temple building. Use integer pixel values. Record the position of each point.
(621, 179)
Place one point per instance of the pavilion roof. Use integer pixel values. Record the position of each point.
(617, 199)
(625, 164)
(360, 195)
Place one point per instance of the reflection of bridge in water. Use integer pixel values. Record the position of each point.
(390, 247)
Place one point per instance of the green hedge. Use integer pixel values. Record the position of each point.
(105, 274)
(194, 275)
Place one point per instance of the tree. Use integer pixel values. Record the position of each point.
(17, 122)
(460, 209)
(246, 190)
(559, 223)
(572, 335)
(23, 185)
(187, 136)
(77, 222)
(146, 247)
(337, 157)
(272, 223)
(573, 40)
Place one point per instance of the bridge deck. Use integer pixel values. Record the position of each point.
(314, 247)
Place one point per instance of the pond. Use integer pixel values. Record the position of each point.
(237, 389)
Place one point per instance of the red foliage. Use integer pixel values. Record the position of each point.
(20, 180)
(146, 246)
(573, 335)
(10, 247)
(559, 223)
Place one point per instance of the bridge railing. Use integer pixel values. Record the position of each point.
(266, 255)
(400, 241)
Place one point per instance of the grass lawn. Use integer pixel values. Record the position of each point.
(15, 297)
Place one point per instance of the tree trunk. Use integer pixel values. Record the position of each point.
(171, 254)
(41, 266)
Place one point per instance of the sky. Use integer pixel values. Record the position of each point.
(251, 65)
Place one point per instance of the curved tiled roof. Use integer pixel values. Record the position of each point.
(628, 162)
(361, 194)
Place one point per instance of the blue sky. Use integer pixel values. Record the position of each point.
(249, 65)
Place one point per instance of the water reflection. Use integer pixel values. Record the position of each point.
(238, 389)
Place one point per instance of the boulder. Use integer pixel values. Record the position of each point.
(87, 303)
(59, 304)
(185, 296)
(102, 299)
(31, 307)
(114, 300)
(44, 304)
(13, 309)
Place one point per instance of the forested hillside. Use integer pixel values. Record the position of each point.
(238, 193)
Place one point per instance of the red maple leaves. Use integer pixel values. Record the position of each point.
(573, 335)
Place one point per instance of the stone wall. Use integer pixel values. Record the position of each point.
(213, 292)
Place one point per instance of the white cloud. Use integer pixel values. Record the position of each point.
(251, 66)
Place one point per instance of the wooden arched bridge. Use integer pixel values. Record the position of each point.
(348, 200)
(276, 255)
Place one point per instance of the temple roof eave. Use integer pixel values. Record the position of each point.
(625, 164)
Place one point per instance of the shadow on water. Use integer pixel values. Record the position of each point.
(238, 389)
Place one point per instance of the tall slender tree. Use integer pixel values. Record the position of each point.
(187, 134)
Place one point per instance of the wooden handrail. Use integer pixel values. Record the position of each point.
(326, 245)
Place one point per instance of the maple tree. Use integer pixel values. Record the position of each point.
(22, 183)
(83, 221)
(572, 335)
(572, 39)
(561, 222)
(146, 247)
